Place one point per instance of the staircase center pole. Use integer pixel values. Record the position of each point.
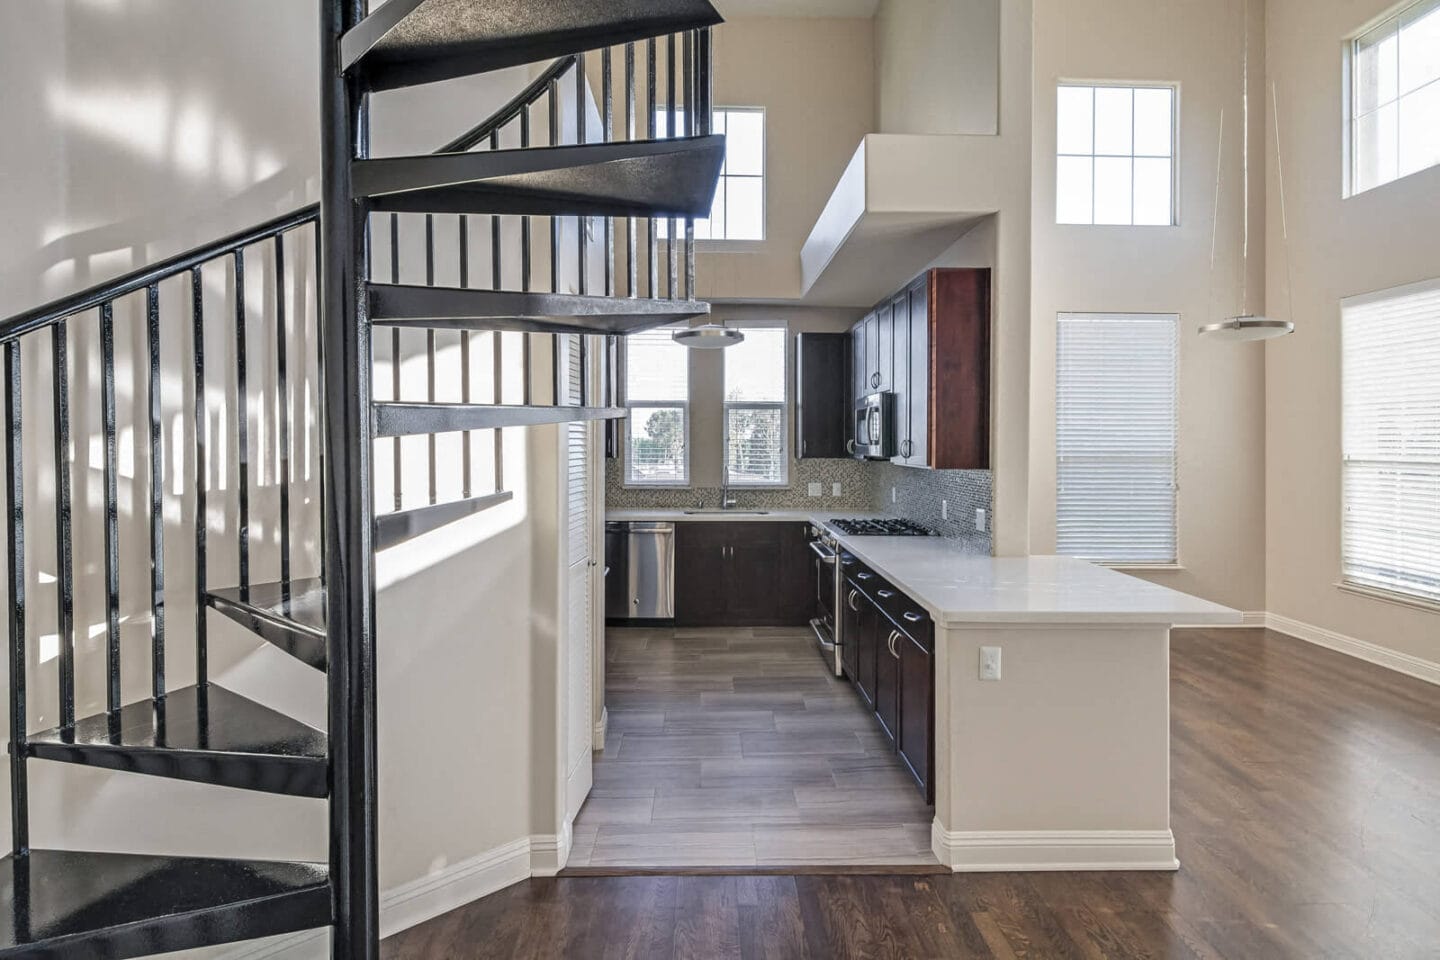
(349, 520)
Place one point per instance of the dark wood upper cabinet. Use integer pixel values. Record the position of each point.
(822, 396)
(937, 361)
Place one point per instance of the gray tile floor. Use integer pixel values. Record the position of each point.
(734, 747)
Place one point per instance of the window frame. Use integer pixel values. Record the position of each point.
(782, 406)
(1175, 87)
(1345, 580)
(1175, 561)
(627, 479)
(1349, 51)
(733, 243)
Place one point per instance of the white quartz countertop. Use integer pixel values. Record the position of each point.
(959, 586)
(759, 513)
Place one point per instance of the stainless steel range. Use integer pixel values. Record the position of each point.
(831, 560)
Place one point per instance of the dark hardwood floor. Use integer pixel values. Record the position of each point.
(1306, 808)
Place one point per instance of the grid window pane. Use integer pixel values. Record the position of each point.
(1152, 192)
(1113, 190)
(738, 210)
(1075, 114)
(744, 208)
(1394, 94)
(1074, 179)
(1103, 134)
(1114, 121)
(745, 143)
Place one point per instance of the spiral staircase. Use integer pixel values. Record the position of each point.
(74, 903)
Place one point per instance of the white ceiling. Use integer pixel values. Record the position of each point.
(796, 8)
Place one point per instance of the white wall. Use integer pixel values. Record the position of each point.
(1221, 434)
(152, 126)
(1337, 248)
(937, 66)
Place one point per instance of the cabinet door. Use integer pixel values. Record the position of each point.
(885, 347)
(859, 365)
(917, 429)
(887, 677)
(795, 591)
(872, 353)
(917, 711)
(821, 400)
(960, 393)
(867, 626)
(701, 561)
(755, 574)
(900, 375)
(849, 614)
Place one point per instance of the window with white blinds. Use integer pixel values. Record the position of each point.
(1115, 437)
(657, 393)
(756, 449)
(1390, 396)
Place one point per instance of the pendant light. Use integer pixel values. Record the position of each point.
(709, 336)
(1247, 326)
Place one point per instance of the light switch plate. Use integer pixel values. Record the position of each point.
(836, 489)
(989, 663)
(944, 509)
(814, 489)
(979, 519)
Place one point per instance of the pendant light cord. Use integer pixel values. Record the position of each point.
(1284, 218)
(1245, 164)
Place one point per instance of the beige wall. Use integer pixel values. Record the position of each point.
(1337, 248)
(1221, 433)
(937, 66)
(814, 77)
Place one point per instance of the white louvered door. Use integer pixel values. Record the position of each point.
(579, 554)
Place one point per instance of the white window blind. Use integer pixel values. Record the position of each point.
(756, 451)
(1390, 389)
(1115, 437)
(657, 392)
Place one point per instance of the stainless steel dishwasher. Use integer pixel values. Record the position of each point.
(650, 578)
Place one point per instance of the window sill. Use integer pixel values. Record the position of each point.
(1145, 567)
(685, 485)
(1389, 596)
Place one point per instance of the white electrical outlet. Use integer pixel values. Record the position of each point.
(814, 489)
(989, 663)
(836, 489)
(892, 494)
(979, 519)
(944, 509)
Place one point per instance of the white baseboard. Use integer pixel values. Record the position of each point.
(550, 853)
(977, 851)
(1361, 649)
(1248, 618)
(413, 903)
(597, 736)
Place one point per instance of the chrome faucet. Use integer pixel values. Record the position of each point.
(727, 500)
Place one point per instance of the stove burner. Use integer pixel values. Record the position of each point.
(880, 528)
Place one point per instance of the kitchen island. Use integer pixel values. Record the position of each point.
(1063, 762)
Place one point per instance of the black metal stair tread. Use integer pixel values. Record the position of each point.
(406, 42)
(415, 419)
(296, 626)
(465, 309)
(392, 529)
(63, 903)
(205, 734)
(640, 178)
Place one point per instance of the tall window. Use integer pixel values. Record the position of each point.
(1115, 437)
(657, 392)
(739, 209)
(1395, 97)
(1390, 399)
(1115, 155)
(756, 451)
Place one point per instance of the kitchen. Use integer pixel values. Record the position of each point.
(804, 667)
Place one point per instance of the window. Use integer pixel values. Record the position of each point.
(1115, 155)
(739, 209)
(657, 393)
(1115, 437)
(756, 452)
(1395, 97)
(1390, 399)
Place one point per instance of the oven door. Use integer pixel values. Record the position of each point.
(826, 624)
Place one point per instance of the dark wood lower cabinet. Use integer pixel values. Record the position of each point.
(887, 652)
(753, 573)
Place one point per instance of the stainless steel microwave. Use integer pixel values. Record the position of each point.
(873, 436)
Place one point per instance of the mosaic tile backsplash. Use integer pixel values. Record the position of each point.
(918, 494)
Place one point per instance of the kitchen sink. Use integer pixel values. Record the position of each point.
(734, 513)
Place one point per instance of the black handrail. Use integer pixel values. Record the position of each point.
(532, 93)
(114, 289)
(43, 316)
